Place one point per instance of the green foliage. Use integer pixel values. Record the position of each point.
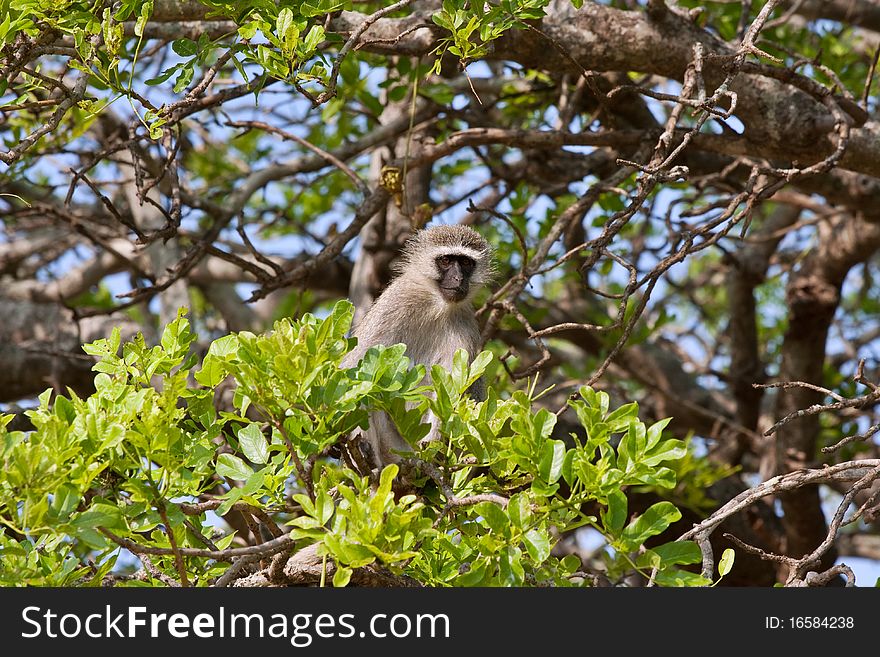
(120, 465)
(284, 41)
(474, 25)
(832, 43)
(725, 564)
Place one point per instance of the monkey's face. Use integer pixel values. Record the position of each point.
(454, 271)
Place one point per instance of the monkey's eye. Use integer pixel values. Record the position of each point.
(444, 261)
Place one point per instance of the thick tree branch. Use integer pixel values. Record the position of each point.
(776, 114)
(862, 13)
(813, 295)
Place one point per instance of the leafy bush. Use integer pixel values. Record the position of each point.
(147, 461)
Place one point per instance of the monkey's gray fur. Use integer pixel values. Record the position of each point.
(431, 321)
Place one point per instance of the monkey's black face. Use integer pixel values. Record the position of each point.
(455, 276)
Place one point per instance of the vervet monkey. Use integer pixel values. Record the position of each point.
(428, 308)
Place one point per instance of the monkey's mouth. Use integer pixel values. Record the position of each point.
(453, 294)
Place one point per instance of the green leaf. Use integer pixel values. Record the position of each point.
(312, 39)
(545, 421)
(65, 501)
(356, 392)
(673, 577)
(475, 576)
(306, 503)
(620, 418)
(140, 24)
(674, 553)
(324, 507)
(495, 518)
(249, 30)
(460, 368)
(442, 385)
(386, 479)
(552, 458)
(396, 94)
(596, 399)
(540, 489)
(305, 522)
(253, 443)
(164, 75)
(653, 521)
(627, 453)
(287, 32)
(537, 545)
(661, 477)
(184, 78)
(443, 20)
(348, 553)
(313, 8)
(679, 552)
(519, 510)
(615, 515)
(568, 472)
(233, 467)
(254, 483)
(100, 515)
(342, 576)
(105, 348)
(668, 450)
(232, 496)
(4, 28)
(655, 431)
(64, 409)
(212, 373)
(224, 347)
(185, 47)
(725, 564)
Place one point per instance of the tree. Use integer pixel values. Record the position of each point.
(680, 348)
